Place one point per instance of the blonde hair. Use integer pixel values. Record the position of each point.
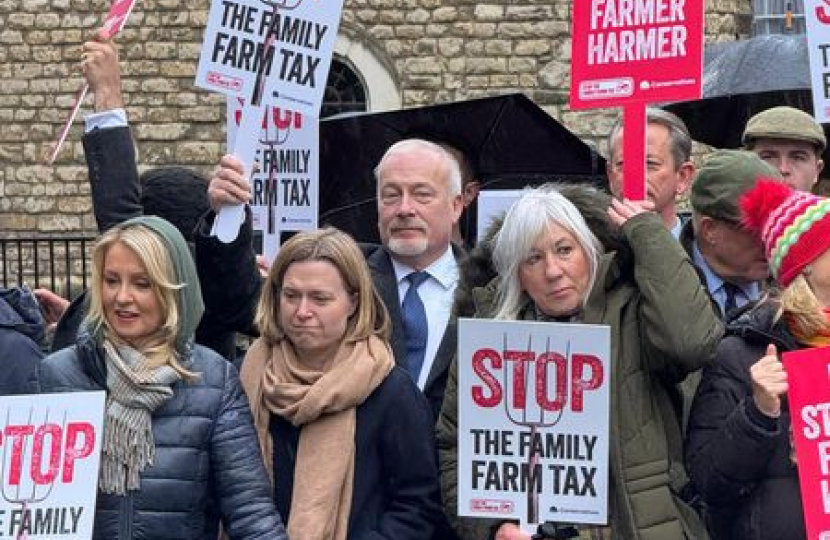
(802, 309)
(153, 253)
(339, 249)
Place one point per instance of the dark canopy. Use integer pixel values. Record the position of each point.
(743, 78)
(509, 141)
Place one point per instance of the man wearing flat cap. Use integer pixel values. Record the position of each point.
(791, 141)
(730, 260)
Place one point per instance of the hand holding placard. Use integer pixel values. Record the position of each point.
(278, 54)
(511, 531)
(102, 71)
(769, 383)
(230, 217)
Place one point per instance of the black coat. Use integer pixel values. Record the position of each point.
(395, 494)
(207, 462)
(21, 330)
(738, 458)
(231, 286)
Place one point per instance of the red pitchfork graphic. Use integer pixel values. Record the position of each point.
(259, 88)
(525, 420)
(24, 496)
(283, 4)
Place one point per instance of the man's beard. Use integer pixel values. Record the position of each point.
(408, 247)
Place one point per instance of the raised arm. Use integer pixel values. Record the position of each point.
(680, 328)
(108, 141)
(228, 273)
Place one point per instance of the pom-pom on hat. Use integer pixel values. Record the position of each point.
(793, 225)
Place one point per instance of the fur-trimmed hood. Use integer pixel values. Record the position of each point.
(476, 270)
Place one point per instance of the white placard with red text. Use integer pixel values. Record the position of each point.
(817, 19)
(284, 187)
(50, 451)
(291, 68)
(808, 375)
(533, 413)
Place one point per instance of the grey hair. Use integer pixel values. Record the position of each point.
(679, 138)
(450, 163)
(525, 221)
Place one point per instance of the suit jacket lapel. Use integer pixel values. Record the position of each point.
(383, 274)
(445, 353)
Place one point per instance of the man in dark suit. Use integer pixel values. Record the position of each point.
(419, 203)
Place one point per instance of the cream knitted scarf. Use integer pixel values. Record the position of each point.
(134, 391)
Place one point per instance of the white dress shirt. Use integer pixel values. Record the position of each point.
(105, 119)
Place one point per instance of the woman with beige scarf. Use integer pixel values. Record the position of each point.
(179, 446)
(346, 435)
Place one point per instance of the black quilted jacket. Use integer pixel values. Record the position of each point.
(207, 464)
(738, 458)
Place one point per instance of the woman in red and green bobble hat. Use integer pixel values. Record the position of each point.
(739, 450)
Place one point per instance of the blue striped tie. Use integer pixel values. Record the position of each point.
(415, 324)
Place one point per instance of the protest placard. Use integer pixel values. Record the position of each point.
(632, 52)
(285, 189)
(808, 375)
(280, 49)
(51, 445)
(640, 51)
(493, 203)
(533, 421)
(270, 53)
(817, 19)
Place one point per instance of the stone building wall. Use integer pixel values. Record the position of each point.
(437, 50)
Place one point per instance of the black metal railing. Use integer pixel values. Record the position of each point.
(60, 264)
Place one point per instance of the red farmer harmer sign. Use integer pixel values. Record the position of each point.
(635, 51)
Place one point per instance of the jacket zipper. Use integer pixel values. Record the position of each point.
(126, 518)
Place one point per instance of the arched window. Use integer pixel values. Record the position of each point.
(362, 77)
(345, 91)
